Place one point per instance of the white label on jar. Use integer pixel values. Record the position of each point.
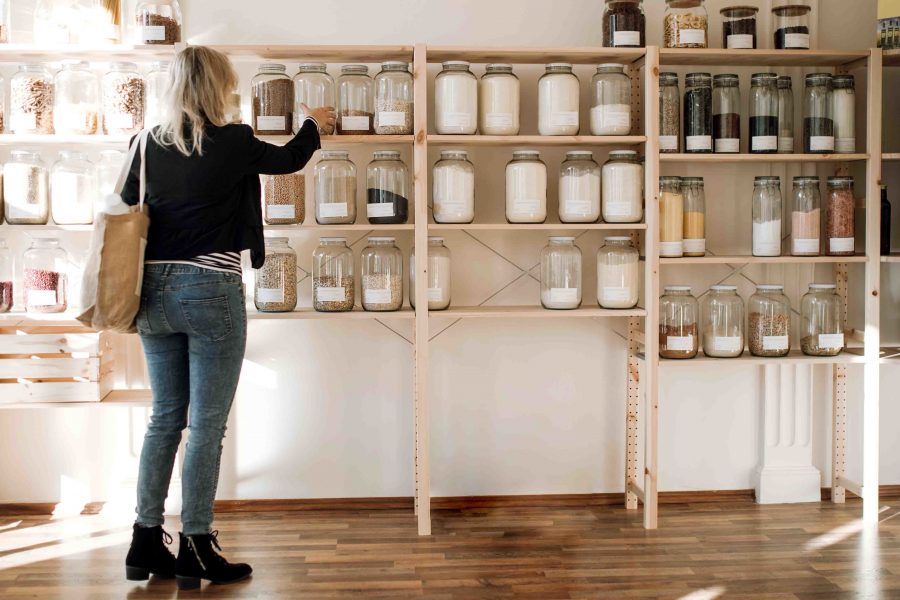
(268, 295)
(832, 341)
(120, 121)
(526, 205)
(740, 40)
(764, 142)
(698, 142)
(271, 123)
(355, 123)
(41, 297)
(153, 33)
(695, 246)
(727, 344)
(457, 119)
(626, 38)
(564, 119)
(498, 119)
(435, 294)
(797, 40)
(576, 207)
(567, 295)
(329, 210)
(280, 211)
(390, 119)
(617, 209)
(24, 121)
(384, 209)
(775, 342)
(671, 249)
(820, 143)
(727, 145)
(377, 296)
(841, 244)
(845, 145)
(680, 343)
(692, 36)
(808, 246)
(785, 144)
(331, 294)
(609, 117)
(668, 142)
(616, 294)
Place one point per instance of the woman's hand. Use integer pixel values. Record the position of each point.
(324, 116)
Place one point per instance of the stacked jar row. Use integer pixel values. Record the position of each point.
(719, 319)
(44, 268)
(58, 22)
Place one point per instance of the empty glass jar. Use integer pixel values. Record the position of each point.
(382, 275)
(843, 109)
(692, 188)
(45, 265)
(498, 101)
(73, 189)
(624, 24)
(387, 181)
(332, 275)
(558, 101)
(792, 27)
(821, 321)
(840, 224)
(678, 323)
(579, 188)
(611, 101)
(438, 275)
(453, 188)
(157, 86)
(334, 180)
(739, 27)
(122, 92)
(618, 274)
(764, 113)
(26, 189)
(685, 24)
(394, 99)
(766, 208)
(108, 170)
(159, 22)
(561, 274)
(818, 122)
(727, 114)
(526, 188)
(806, 215)
(456, 99)
(276, 281)
(76, 104)
(722, 313)
(671, 217)
(272, 99)
(356, 101)
(769, 322)
(698, 113)
(7, 276)
(622, 185)
(314, 87)
(31, 100)
(669, 112)
(785, 115)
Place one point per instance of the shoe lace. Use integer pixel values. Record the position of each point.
(214, 538)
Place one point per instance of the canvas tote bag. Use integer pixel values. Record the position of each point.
(111, 288)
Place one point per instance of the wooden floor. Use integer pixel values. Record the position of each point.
(703, 551)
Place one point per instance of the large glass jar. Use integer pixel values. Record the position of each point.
(335, 189)
(792, 27)
(456, 99)
(332, 274)
(438, 275)
(284, 198)
(526, 188)
(618, 273)
(769, 322)
(26, 189)
(622, 184)
(276, 281)
(558, 100)
(821, 321)
(767, 216)
(108, 170)
(764, 113)
(356, 101)
(73, 189)
(159, 22)
(692, 188)
(453, 192)
(45, 265)
(669, 112)
(31, 100)
(722, 315)
(698, 113)
(7, 276)
(739, 27)
(611, 101)
(498, 101)
(76, 104)
(726, 114)
(55, 22)
(818, 122)
(5, 6)
(671, 217)
(806, 216)
(123, 99)
(579, 188)
(561, 274)
(382, 275)
(272, 99)
(624, 24)
(387, 183)
(785, 115)
(157, 85)
(314, 87)
(840, 225)
(394, 99)
(843, 109)
(685, 24)
(679, 336)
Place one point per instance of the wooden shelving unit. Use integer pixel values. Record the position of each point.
(762, 158)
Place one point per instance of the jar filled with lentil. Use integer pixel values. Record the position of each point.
(692, 188)
(73, 189)
(498, 101)
(618, 273)
(272, 99)
(669, 113)
(7, 276)
(792, 27)
(806, 215)
(45, 265)
(438, 275)
(314, 87)
(335, 189)
(276, 281)
(821, 321)
(764, 113)
(31, 100)
(818, 121)
(561, 274)
(698, 113)
(769, 322)
(356, 101)
(332, 274)
(726, 114)
(26, 189)
(624, 24)
(739, 27)
(722, 315)
(611, 101)
(622, 188)
(671, 217)
(579, 188)
(785, 115)
(526, 188)
(678, 323)
(284, 198)
(559, 95)
(157, 86)
(453, 188)
(76, 102)
(685, 24)
(766, 209)
(456, 99)
(382, 275)
(159, 22)
(394, 99)
(839, 217)
(387, 182)
(843, 110)
(123, 99)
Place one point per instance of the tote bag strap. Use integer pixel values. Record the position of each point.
(140, 144)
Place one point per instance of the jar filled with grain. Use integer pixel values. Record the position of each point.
(272, 100)
(692, 188)
(839, 217)
(387, 189)
(559, 95)
(7, 276)
(818, 119)
(284, 198)
(31, 100)
(822, 321)
(335, 189)
(611, 106)
(618, 273)
(792, 27)
(671, 217)
(438, 275)
(108, 169)
(766, 211)
(159, 22)
(579, 188)
(123, 99)
(44, 279)
(622, 185)
(382, 275)
(314, 87)
(73, 189)
(669, 113)
(806, 215)
(678, 323)
(332, 274)
(394, 99)
(561, 274)
(498, 101)
(26, 189)
(722, 318)
(769, 322)
(276, 281)
(685, 24)
(526, 188)
(76, 103)
(157, 85)
(356, 101)
(785, 114)
(455, 99)
(698, 113)
(453, 191)
(623, 24)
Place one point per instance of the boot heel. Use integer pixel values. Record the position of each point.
(187, 583)
(137, 574)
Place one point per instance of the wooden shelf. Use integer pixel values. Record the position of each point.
(309, 314)
(774, 260)
(760, 158)
(331, 141)
(116, 398)
(891, 58)
(13, 139)
(535, 140)
(536, 226)
(719, 57)
(6, 228)
(20, 318)
(315, 227)
(890, 156)
(518, 312)
(848, 356)
(891, 258)
(299, 52)
(23, 53)
(535, 56)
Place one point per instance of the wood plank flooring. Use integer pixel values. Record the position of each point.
(701, 551)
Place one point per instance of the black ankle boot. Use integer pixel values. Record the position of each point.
(149, 555)
(197, 559)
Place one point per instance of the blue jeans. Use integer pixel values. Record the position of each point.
(193, 326)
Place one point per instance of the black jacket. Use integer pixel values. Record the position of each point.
(212, 203)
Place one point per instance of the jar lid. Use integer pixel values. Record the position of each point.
(668, 78)
(313, 67)
(727, 79)
(355, 69)
(395, 65)
(455, 154)
(499, 68)
(766, 179)
(669, 179)
(764, 78)
(123, 66)
(822, 286)
(160, 65)
(559, 67)
(562, 238)
(723, 288)
(456, 65)
(622, 153)
(697, 78)
(32, 66)
(386, 154)
(74, 63)
(684, 3)
(791, 10)
(435, 239)
(526, 154)
(111, 153)
(738, 12)
(335, 154)
(277, 240)
(806, 179)
(843, 81)
(25, 154)
(785, 82)
(617, 238)
(611, 66)
(333, 240)
(770, 287)
(841, 180)
(677, 288)
(692, 181)
(579, 155)
(818, 78)
(382, 240)
(72, 155)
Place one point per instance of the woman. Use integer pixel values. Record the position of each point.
(203, 194)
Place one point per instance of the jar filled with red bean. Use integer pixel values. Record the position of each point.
(45, 264)
(839, 217)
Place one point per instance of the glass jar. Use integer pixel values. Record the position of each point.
(624, 24)
(159, 22)
(314, 87)
(45, 266)
(233, 114)
(561, 274)
(26, 189)
(821, 321)
(818, 122)
(438, 275)
(76, 102)
(456, 99)
(526, 188)
(579, 188)
(805, 216)
(335, 189)
(5, 6)
(722, 315)
(73, 189)
(284, 198)
(334, 288)
(453, 191)
(356, 101)
(387, 181)
(669, 112)
(692, 188)
(276, 281)
(622, 185)
(618, 274)
(739, 27)
(7, 270)
(767, 216)
(764, 113)
(382, 275)
(123, 100)
(31, 100)
(785, 115)
(54, 21)
(685, 24)
(678, 323)
(498, 101)
(394, 99)
(611, 104)
(272, 98)
(843, 110)
(671, 217)
(839, 217)
(792, 27)
(698, 113)
(108, 170)
(157, 85)
(727, 114)
(885, 222)
(769, 322)
(558, 100)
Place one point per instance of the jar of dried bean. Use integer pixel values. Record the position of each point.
(284, 198)
(769, 321)
(387, 189)
(273, 100)
(314, 87)
(806, 216)
(76, 104)
(157, 85)
(45, 265)
(356, 101)
(839, 217)
(159, 22)
(335, 189)
(671, 217)
(678, 323)
(579, 188)
(123, 100)
(669, 113)
(7, 276)
(611, 107)
(382, 275)
(623, 24)
(561, 274)
(73, 189)
(394, 99)
(332, 275)
(692, 188)
(618, 273)
(453, 188)
(456, 99)
(739, 26)
(792, 27)
(821, 321)
(31, 100)
(26, 189)
(722, 315)
(685, 24)
(276, 281)
(438, 275)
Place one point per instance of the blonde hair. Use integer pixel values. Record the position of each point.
(201, 81)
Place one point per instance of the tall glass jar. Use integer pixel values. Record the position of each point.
(284, 198)
(840, 222)
(669, 112)
(76, 103)
(821, 321)
(272, 98)
(394, 99)
(54, 21)
(356, 101)
(456, 99)
(698, 113)
(579, 188)
(561, 274)
(727, 113)
(387, 185)
(722, 315)
(785, 115)
(611, 101)
(332, 274)
(792, 27)
(334, 180)
(818, 122)
(624, 24)
(123, 99)
(26, 189)
(73, 189)
(739, 27)
(526, 188)
(276, 281)
(498, 101)
(805, 217)
(5, 6)
(159, 22)
(767, 216)
(31, 100)
(692, 188)
(764, 113)
(679, 336)
(685, 24)
(622, 186)
(314, 87)
(671, 217)
(438, 275)
(558, 100)
(382, 275)
(108, 170)
(7, 276)
(843, 109)
(769, 322)
(45, 265)
(453, 191)
(157, 85)
(618, 274)
(3, 114)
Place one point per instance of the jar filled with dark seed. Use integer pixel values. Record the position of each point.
(669, 113)
(792, 27)
(785, 115)
(623, 24)
(739, 27)
(387, 182)
(818, 122)
(764, 113)
(698, 113)
(273, 100)
(727, 113)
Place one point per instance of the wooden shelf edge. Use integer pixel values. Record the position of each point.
(117, 398)
(308, 314)
(463, 312)
(745, 260)
(535, 140)
(848, 356)
(520, 55)
(758, 57)
(760, 158)
(536, 226)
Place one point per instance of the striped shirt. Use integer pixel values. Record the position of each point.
(227, 262)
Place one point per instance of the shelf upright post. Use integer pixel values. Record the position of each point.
(839, 401)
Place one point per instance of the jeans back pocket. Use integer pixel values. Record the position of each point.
(208, 318)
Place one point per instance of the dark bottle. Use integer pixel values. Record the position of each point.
(885, 222)
(698, 113)
(726, 114)
(623, 24)
(764, 113)
(818, 123)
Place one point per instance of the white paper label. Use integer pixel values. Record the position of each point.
(435, 294)
(391, 119)
(668, 142)
(728, 145)
(695, 246)
(833, 341)
(679, 343)
(271, 123)
(727, 344)
(797, 40)
(526, 205)
(845, 145)
(377, 296)
(280, 211)
(267, 295)
(333, 209)
(626, 38)
(354, 123)
(331, 294)
(698, 142)
(498, 119)
(740, 40)
(691, 36)
(120, 121)
(841, 244)
(764, 142)
(576, 207)
(385, 209)
(785, 144)
(610, 119)
(821, 143)
(808, 246)
(616, 294)
(615, 209)
(564, 119)
(775, 342)
(24, 121)
(153, 33)
(569, 295)
(457, 119)
(41, 298)
(671, 249)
